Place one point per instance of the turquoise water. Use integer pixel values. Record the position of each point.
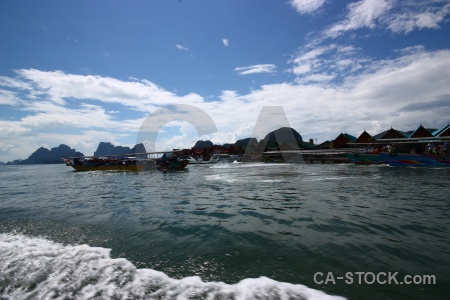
(224, 231)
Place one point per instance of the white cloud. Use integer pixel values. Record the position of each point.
(14, 83)
(333, 88)
(301, 68)
(49, 115)
(57, 101)
(401, 92)
(228, 95)
(58, 86)
(361, 14)
(6, 148)
(325, 63)
(306, 60)
(396, 16)
(324, 78)
(418, 17)
(306, 6)
(263, 68)
(411, 50)
(181, 47)
(9, 98)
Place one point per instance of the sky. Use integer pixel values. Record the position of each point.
(82, 72)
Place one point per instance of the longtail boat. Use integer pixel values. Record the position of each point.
(401, 159)
(127, 162)
(364, 158)
(402, 152)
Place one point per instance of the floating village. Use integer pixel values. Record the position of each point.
(420, 147)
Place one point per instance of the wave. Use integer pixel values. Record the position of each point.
(37, 268)
(245, 165)
(236, 177)
(222, 177)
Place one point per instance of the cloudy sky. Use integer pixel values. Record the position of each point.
(81, 72)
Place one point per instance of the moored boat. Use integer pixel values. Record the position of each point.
(415, 160)
(422, 147)
(364, 158)
(401, 159)
(126, 163)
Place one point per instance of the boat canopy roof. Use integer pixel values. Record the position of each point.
(129, 155)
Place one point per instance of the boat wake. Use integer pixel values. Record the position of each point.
(36, 268)
(238, 178)
(245, 165)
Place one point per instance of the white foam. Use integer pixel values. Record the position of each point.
(246, 165)
(235, 177)
(36, 268)
(222, 177)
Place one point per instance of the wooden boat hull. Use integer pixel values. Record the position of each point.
(416, 160)
(364, 158)
(156, 166)
(400, 159)
(112, 168)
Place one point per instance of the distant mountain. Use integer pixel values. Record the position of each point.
(245, 142)
(203, 144)
(283, 133)
(45, 156)
(104, 149)
(284, 137)
(139, 148)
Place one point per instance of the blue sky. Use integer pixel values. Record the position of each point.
(81, 72)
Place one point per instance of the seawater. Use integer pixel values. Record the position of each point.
(223, 231)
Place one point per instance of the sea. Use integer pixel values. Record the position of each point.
(225, 231)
